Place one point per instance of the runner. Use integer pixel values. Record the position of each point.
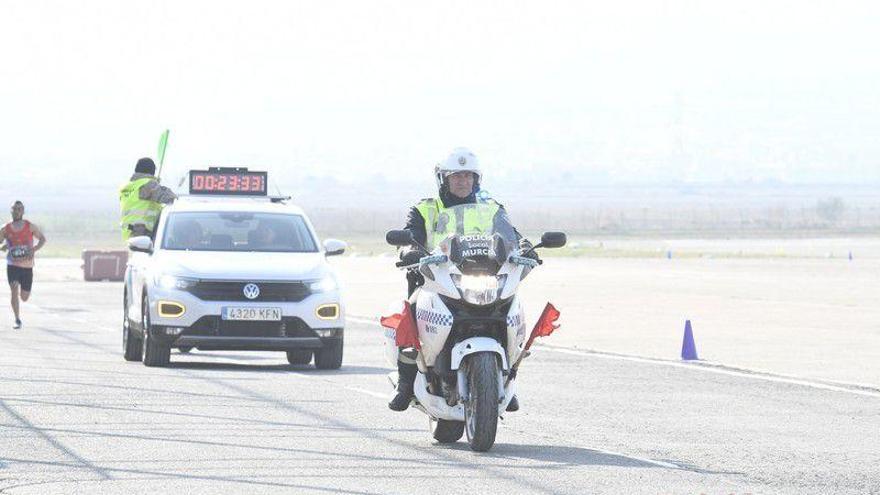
(18, 240)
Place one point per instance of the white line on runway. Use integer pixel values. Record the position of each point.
(849, 388)
(361, 319)
(362, 391)
(854, 389)
(663, 464)
(653, 462)
(591, 353)
(717, 369)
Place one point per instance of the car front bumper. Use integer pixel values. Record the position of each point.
(242, 338)
(214, 343)
(201, 326)
(196, 308)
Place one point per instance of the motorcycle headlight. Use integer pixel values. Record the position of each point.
(325, 284)
(174, 282)
(479, 289)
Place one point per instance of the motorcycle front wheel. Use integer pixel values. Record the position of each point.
(481, 408)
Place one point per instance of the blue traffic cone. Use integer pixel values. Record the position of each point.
(688, 347)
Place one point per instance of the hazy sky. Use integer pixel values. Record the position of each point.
(629, 91)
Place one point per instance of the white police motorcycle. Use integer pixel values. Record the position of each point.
(470, 324)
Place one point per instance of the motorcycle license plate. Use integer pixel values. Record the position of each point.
(251, 314)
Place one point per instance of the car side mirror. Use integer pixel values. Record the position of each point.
(141, 244)
(553, 239)
(334, 247)
(399, 238)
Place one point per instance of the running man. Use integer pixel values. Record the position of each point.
(18, 240)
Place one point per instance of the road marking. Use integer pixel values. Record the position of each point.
(849, 388)
(369, 321)
(361, 319)
(352, 389)
(663, 464)
(363, 391)
(718, 369)
(383, 396)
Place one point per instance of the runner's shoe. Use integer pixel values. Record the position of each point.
(17, 324)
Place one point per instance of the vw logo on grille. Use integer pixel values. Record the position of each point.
(251, 291)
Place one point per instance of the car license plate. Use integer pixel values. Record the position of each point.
(251, 314)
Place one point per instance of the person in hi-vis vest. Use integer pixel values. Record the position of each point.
(141, 200)
(458, 181)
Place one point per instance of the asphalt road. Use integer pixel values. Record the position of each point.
(76, 418)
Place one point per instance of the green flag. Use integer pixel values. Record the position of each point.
(163, 143)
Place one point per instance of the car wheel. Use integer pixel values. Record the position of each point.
(299, 357)
(132, 345)
(185, 350)
(155, 353)
(330, 356)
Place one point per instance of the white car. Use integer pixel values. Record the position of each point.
(233, 273)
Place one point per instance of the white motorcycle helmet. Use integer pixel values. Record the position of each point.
(460, 160)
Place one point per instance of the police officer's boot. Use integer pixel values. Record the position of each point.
(406, 378)
(513, 405)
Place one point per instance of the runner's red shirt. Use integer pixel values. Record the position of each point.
(20, 245)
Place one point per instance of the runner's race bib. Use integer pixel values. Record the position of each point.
(20, 252)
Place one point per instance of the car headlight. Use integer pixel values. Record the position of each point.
(174, 282)
(326, 284)
(479, 289)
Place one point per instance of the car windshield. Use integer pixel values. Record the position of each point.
(237, 231)
(479, 237)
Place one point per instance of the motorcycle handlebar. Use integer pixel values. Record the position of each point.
(522, 260)
(434, 259)
(442, 258)
(425, 260)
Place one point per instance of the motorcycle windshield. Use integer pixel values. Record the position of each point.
(479, 237)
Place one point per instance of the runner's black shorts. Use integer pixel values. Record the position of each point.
(24, 276)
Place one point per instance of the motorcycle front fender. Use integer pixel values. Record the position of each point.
(482, 344)
(474, 345)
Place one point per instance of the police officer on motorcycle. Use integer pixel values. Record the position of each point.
(458, 180)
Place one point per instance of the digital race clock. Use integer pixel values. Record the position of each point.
(223, 181)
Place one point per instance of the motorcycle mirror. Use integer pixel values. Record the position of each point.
(399, 238)
(553, 239)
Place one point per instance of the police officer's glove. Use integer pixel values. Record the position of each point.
(409, 257)
(527, 250)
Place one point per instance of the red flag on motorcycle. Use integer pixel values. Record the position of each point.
(406, 330)
(545, 325)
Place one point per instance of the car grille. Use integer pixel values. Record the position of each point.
(234, 291)
(215, 326)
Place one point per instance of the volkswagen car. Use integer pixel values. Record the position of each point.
(233, 269)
